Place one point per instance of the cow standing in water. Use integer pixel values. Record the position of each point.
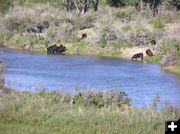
(138, 55)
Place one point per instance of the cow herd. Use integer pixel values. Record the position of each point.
(54, 49)
(141, 56)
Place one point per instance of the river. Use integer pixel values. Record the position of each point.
(141, 81)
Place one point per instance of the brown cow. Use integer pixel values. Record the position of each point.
(149, 52)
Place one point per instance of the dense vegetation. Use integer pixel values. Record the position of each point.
(130, 23)
(55, 112)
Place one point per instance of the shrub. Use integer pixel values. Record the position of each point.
(126, 28)
(166, 18)
(171, 47)
(23, 41)
(122, 44)
(5, 5)
(2, 67)
(112, 98)
(155, 101)
(107, 36)
(158, 23)
(123, 13)
(4, 36)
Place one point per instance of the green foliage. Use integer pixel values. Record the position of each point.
(166, 18)
(5, 36)
(2, 68)
(5, 5)
(102, 44)
(27, 112)
(122, 44)
(126, 28)
(154, 59)
(176, 69)
(81, 47)
(17, 23)
(158, 23)
(123, 13)
(22, 41)
(101, 99)
(155, 101)
(120, 3)
(171, 46)
(107, 35)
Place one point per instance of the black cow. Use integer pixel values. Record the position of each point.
(153, 42)
(138, 55)
(54, 49)
(84, 35)
(38, 28)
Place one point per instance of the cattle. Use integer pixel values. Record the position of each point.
(54, 49)
(38, 28)
(149, 52)
(153, 42)
(138, 55)
(84, 35)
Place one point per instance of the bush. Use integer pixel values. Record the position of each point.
(5, 5)
(5, 36)
(23, 41)
(123, 13)
(112, 98)
(171, 47)
(158, 23)
(2, 67)
(122, 44)
(126, 28)
(107, 36)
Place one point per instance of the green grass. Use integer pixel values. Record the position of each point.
(158, 23)
(48, 112)
(154, 59)
(126, 28)
(174, 69)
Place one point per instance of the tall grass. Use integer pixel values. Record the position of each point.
(56, 112)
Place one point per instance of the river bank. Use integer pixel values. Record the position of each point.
(123, 53)
(56, 112)
(26, 71)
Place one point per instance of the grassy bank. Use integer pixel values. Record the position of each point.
(57, 112)
(174, 69)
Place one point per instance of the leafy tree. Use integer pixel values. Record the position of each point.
(174, 3)
(82, 5)
(154, 5)
(121, 3)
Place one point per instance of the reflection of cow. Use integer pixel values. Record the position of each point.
(138, 55)
(84, 35)
(54, 49)
(149, 52)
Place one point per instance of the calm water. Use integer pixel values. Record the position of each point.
(140, 80)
